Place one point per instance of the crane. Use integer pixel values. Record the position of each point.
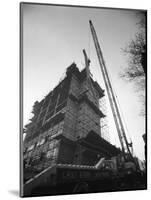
(125, 145)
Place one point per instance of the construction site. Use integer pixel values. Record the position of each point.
(67, 149)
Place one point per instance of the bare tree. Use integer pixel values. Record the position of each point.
(136, 52)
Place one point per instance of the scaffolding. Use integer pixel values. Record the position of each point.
(104, 120)
(79, 119)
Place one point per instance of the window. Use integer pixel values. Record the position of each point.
(55, 128)
(41, 142)
(25, 156)
(55, 152)
(50, 131)
(60, 131)
(53, 144)
(52, 153)
(45, 133)
(61, 125)
(49, 154)
(30, 147)
(29, 154)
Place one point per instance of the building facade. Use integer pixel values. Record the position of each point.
(65, 127)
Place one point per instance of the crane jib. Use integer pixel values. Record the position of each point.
(114, 106)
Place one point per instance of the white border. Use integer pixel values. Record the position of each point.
(9, 71)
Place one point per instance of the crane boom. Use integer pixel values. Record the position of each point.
(114, 106)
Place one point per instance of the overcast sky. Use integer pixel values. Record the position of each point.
(53, 38)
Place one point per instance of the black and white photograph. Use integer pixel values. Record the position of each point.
(83, 99)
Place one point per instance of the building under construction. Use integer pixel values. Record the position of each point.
(67, 145)
(66, 126)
